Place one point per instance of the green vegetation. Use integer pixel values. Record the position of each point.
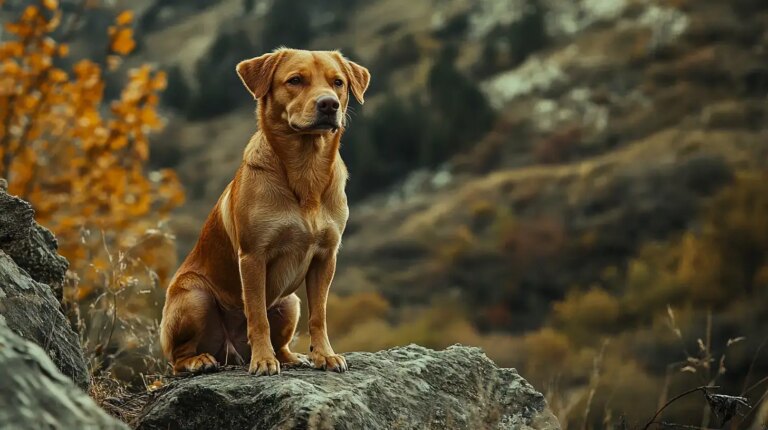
(509, 45)
(405, 134)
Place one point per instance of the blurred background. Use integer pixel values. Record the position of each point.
(579, 187)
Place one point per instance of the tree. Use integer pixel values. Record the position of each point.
(81, 160)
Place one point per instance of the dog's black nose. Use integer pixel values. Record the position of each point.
(327, 105)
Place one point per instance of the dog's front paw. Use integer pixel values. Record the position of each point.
(333, 362)
(264, 366)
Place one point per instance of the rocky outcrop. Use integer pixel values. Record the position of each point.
(402, 388)
(30, 270)
(34, 394)
(30, 245)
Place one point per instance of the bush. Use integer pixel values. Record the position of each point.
(178, 93)
(508, 46)
(82, 162)
(405, 134)
(585, 316)
(287, 24)
(219, 89)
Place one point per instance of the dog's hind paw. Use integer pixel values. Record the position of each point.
(290, 359)
(202, 363)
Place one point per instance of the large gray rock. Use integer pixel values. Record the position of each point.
(35, 395)
(31, 246)
(31, 310)
(29, 268)
(402, 388)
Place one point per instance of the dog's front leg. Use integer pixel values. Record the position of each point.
(318, 281)
(253, 274)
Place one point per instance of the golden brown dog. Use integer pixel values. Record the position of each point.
(278, 224)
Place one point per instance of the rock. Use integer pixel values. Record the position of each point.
(31, 246)
(29, 268)
(31, 310)
(405, 388)
(34, 394)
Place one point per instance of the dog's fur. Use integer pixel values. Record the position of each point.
(278, 224)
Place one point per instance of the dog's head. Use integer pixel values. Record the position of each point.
(307, 90)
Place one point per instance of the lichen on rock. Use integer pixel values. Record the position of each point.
(401, 388)
(34, 394)
(30, 271)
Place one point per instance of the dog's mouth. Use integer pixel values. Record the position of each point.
(320, 125)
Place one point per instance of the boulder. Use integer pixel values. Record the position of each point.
(31, 246)
(402, 388)
(30, 268)
(35, 394)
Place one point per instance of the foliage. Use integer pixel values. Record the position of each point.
(680, 309)
(509, 45)
(81, 160)
(287, 24)
(219, 90)
(404, 134)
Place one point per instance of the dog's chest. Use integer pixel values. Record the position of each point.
(293, 246)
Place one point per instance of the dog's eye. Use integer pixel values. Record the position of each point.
(296, 80)
(338, 83)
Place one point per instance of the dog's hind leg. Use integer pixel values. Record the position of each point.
(189, 316)
(283, 319)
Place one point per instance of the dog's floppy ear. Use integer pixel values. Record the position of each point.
(359, 78)
(256, 73)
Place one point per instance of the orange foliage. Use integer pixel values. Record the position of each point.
(80, 168)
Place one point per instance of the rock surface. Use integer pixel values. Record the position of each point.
(30, 245)
(402, 388)
(34, 394)
(30, 268)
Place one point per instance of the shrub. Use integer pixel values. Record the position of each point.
(407, 133)
(82, 163)
(584, 316)
(725, 261)
(219, 89)
(546, 351)
(508, 46)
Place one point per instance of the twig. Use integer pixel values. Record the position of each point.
(753, 386)
(682, 426)
(744, 389)
(757, 405)
(678, 397)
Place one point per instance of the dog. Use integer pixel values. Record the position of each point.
(277, 224)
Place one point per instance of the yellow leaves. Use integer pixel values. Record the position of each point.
(58, 75)
(121, 36)
(10, 67)
(80, 167)
(12, 49)
(48, 46)
(118, 143)
(85, 69)
(51, 4)
(160, 81)
(28, 101)
(30, 13)
(125, 18)
(142, 151)
(122, 41)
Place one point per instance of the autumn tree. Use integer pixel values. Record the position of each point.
(81, 160)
